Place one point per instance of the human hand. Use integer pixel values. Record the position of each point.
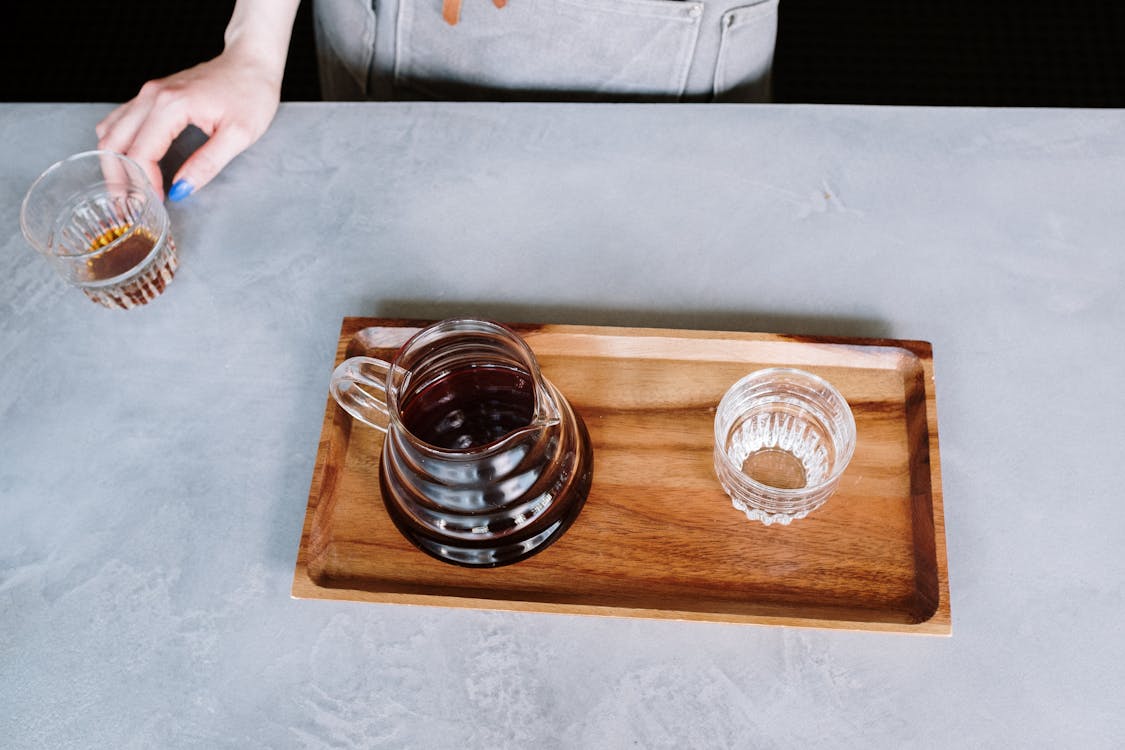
(232, 98)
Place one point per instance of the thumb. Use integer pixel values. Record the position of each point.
(208, 160)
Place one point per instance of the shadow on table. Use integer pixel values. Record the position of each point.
(746, 320)
(182, 147)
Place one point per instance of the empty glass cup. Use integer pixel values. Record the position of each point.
(103, 226)
(783, 438)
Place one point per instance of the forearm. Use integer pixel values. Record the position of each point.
(259, 31)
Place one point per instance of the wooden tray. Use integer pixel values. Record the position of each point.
(658, 537)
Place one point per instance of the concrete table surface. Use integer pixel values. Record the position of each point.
(155, 464)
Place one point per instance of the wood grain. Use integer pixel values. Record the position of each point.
(658, 537)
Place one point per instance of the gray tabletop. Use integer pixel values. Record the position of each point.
(155, 464)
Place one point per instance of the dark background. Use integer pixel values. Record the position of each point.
(1063, 53)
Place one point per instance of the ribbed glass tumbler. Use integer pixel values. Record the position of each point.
(783, 438)
(103, 226)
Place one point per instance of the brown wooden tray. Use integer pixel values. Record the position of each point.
(658, 537)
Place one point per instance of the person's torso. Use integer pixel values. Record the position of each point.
(597, 50)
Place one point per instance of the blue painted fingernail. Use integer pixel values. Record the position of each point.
(180, 190)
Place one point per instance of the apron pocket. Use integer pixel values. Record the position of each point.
(345, 46)
(576, 50)
(742, 71)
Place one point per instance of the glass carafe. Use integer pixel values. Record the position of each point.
(484, 462)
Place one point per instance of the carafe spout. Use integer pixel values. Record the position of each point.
(547, 413)
(530, 433)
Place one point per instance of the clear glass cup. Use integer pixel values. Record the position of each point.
(783, 438)
(96, 217)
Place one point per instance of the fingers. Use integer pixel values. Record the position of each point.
(163, 122)
(209, 159)
(117, 131)
(118, 137)
(229, 99)
(108, 124)
(120, 128)
(117, 184)
(121, 124)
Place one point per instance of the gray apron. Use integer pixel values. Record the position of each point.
(557, 50)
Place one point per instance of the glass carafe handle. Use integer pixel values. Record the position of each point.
(359, 386)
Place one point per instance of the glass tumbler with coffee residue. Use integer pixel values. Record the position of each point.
(100, 222)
